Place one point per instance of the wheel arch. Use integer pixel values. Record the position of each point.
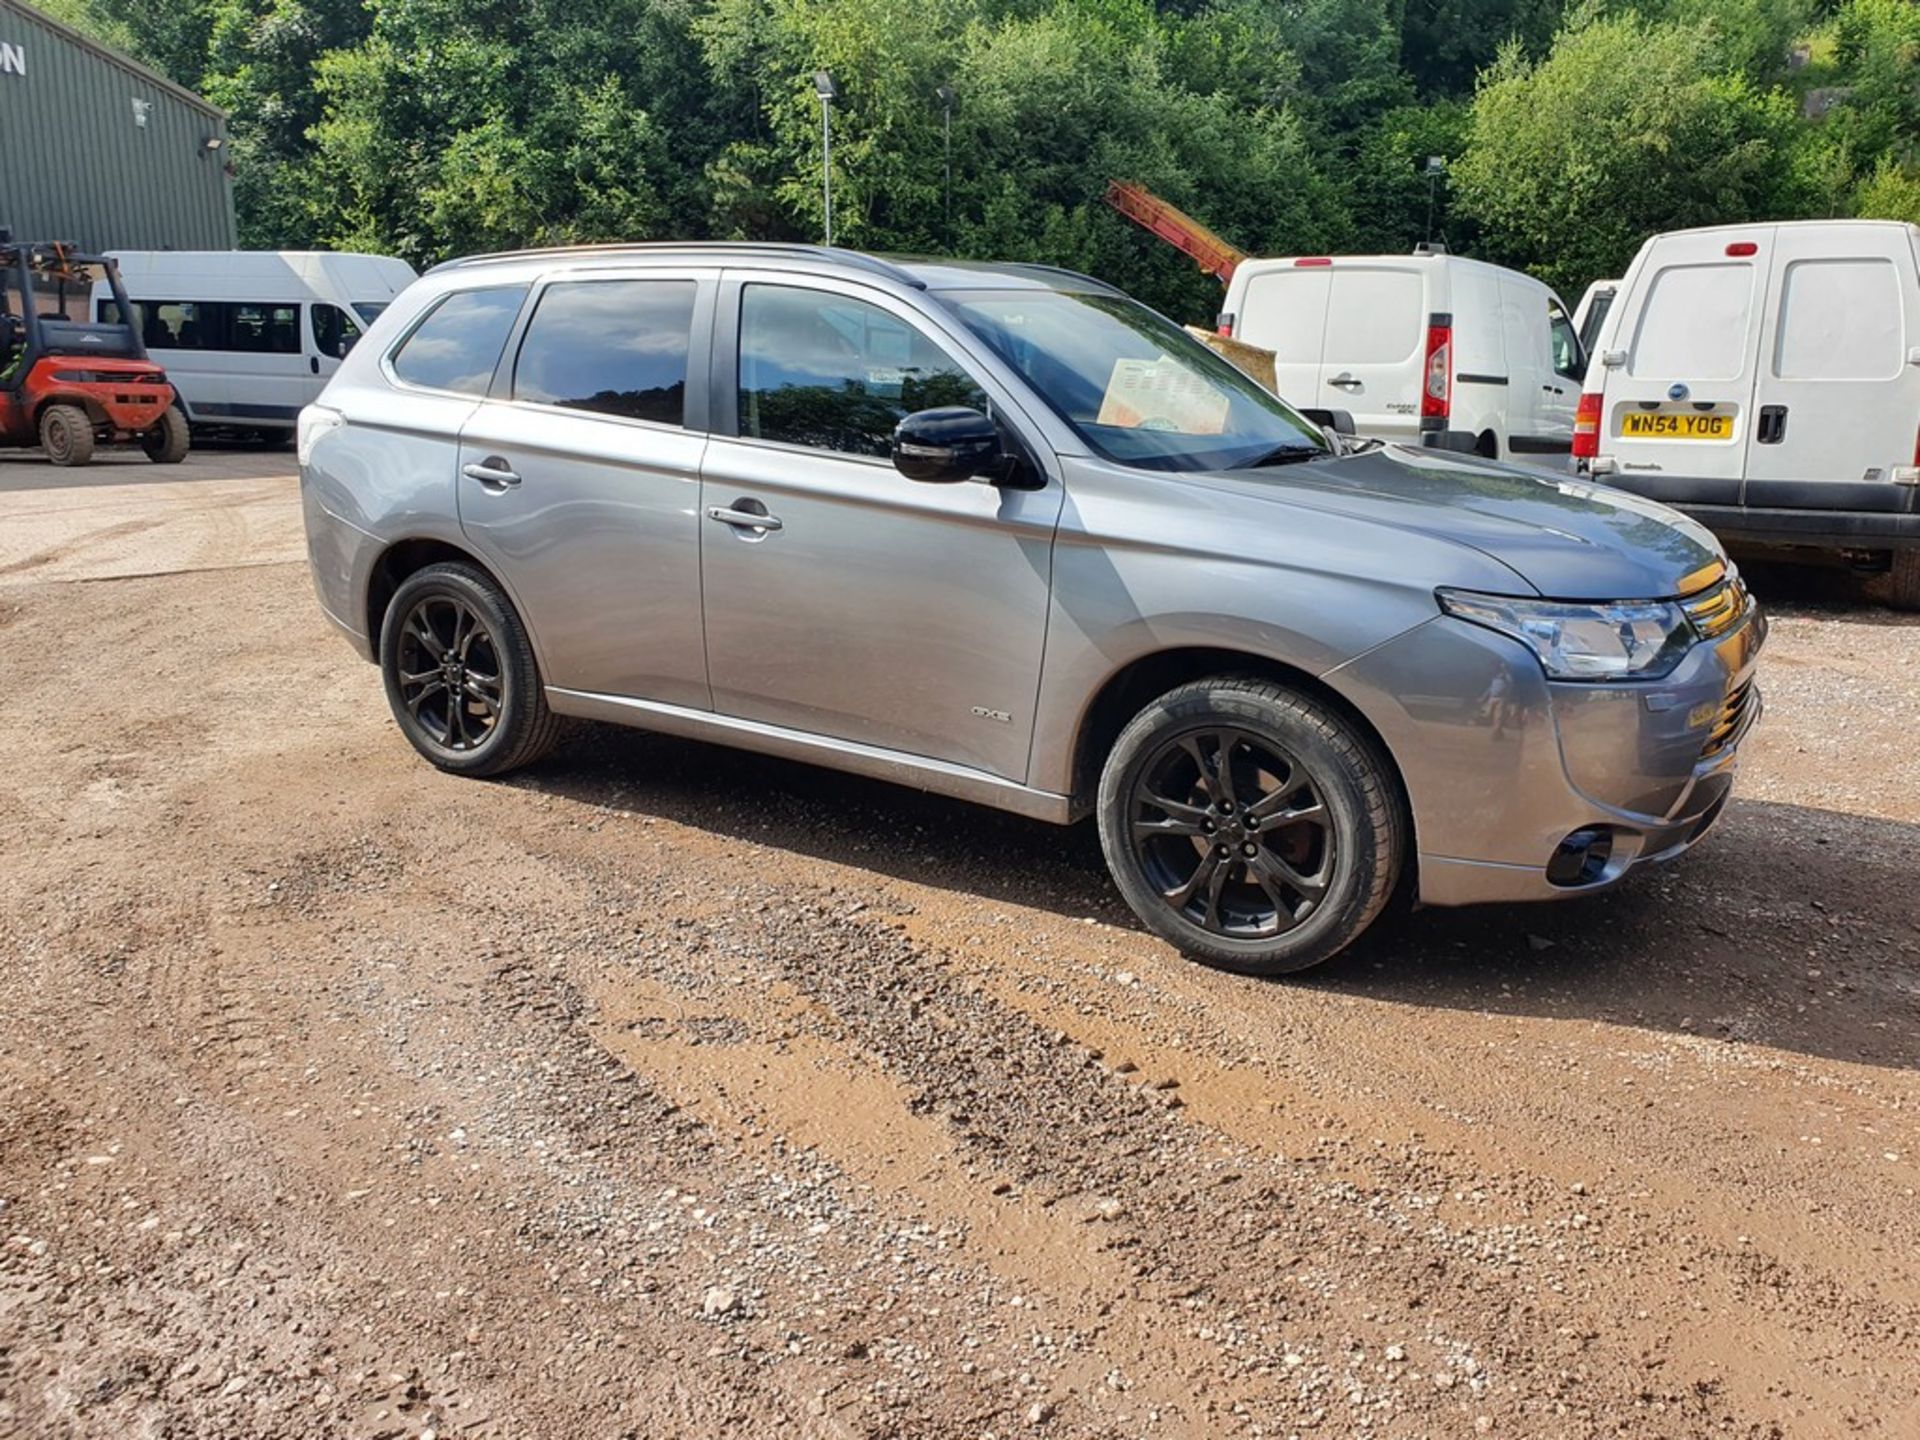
(1143, 679)
(403, 558)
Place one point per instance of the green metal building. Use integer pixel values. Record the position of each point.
(101, 151)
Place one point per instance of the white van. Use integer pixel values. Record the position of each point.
(1426, 347)
(248, 337)
(1766, 379)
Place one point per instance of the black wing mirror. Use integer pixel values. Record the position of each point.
(947, 445)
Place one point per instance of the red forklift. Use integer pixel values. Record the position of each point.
(68, 383)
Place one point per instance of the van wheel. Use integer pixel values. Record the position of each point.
(1250, 826)
(166, 443)
(66, 434)
(460, 674)
(1904, 590)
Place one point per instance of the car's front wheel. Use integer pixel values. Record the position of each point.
(1253, 827)
(460, 673)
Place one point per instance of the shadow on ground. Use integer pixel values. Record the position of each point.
(1791, 927)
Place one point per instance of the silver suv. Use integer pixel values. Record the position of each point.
(998, 531)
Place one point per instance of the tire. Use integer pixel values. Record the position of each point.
(433, 608)
(66, 434)
(1903, 591)
(1331, 818)
(167, 442)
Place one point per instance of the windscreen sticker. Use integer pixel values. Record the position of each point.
(1162, 394)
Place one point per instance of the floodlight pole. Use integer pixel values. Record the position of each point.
(945, 92)
(823, 86)
(1436, 167)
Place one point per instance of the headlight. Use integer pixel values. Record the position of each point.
(1616, 640)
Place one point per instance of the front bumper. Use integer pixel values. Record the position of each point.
(1502, 766)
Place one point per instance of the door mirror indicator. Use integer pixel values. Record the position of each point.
(948, 445)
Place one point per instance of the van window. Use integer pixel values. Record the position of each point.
(264, 329)
(332, 327)
(254, 329)
(1568, 357)
(1839, 320)
(616, 347)
(457, 346)
(834, 373)
(1285, 311)
(1375, 317)
(1693, 324)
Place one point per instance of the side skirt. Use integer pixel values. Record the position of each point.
(936, 776)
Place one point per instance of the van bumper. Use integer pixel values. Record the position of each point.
(1827, 514)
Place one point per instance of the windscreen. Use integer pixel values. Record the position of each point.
(1137, 388)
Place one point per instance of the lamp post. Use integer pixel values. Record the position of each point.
(945, 96)
(823, 86)
(1436, 167)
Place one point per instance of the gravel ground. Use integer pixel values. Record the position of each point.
(670, 1092)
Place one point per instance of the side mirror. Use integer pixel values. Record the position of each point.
(945, 446)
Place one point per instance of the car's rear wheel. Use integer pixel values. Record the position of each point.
(1251, 826)
(1904, 582)
(460, 673)
(167, 442)
(66, 434)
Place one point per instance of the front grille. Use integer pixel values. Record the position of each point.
(1718, 608)
(1732, 712)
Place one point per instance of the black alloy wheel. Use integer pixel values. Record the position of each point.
(1233, 833)
(460, 673)
(1251, 825)
(449, 673)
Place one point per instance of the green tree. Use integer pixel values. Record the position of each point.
(1626, 128)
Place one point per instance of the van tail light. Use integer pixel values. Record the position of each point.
(1436, 399)
(1586, 426)
(1224, 323)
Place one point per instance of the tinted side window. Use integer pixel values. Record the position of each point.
(1566, 348)
(616, 347)
(459, 343)
(264, 329)
(332, 326)
(835, 373)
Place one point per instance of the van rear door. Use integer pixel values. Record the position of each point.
(1837, 399)
(1284, 309)
(1676, 411)
(1371, 363)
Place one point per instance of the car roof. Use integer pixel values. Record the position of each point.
(921, 273)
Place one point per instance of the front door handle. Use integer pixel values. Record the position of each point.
(1345, 381)
(742, 519)
(313, 363)
(492, 472)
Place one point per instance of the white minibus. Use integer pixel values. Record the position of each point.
(248, 337)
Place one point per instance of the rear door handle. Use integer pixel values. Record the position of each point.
(742, 519)
(1345, 382)
(1772, 428)
(492, 472)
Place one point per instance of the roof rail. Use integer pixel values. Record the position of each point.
(1061, 270)
(832, 254)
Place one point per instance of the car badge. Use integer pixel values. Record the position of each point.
(1677, 391)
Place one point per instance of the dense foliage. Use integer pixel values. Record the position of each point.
(435, 127)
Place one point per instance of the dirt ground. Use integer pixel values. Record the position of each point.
(668, 1092)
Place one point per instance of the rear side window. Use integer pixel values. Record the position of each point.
(1376, 317)
(615, 347)
(1693, 324)
(1285, 311)
(457, 346)
(1839, 320)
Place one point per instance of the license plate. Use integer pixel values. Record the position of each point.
(1675, 425)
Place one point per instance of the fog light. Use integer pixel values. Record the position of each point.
(1581, 858)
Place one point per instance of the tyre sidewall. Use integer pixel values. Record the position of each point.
(1314, 737)
(518, 677)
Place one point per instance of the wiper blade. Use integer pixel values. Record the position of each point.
(1286, 455)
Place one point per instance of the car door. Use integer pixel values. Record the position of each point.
(268, 374)
(1677, 385)
(1838, 386)
(1372, 365)
(841, 598)
(331, 332)
(580, 480)
(1566, 369)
